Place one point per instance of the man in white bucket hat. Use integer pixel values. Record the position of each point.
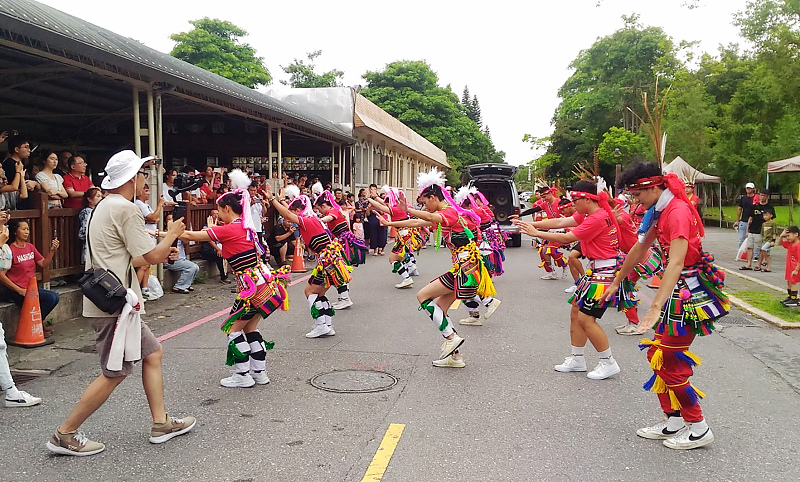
(118, 243)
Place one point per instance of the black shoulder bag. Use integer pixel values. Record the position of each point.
(102, 287)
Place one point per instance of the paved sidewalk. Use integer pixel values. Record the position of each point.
(723, 243)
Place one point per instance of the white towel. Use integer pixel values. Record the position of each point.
(127, 342)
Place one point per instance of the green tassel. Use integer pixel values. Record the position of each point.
(397, 265)
(314, 311)
(234, 355)
(471, 280)
(269, 345)
(437, 238)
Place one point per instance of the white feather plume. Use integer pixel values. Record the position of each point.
(384, 190)
(292, 191)
(239, 180)
(428, 179)
(317, 189)
(601, 184)
(461, 194)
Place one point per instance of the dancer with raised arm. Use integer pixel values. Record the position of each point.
(686, 305)
(468, 277)
(331, 269)
(261, 292)
(407, 242)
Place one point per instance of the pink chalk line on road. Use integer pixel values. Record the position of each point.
(211, 317)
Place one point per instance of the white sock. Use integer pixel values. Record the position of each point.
(605, 354)
(311, 298)
(675, 423)
(12, 393)
(578, 350)
(699, 428)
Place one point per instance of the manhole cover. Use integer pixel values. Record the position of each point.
(353, 381)
(23, 377)
(736, 321)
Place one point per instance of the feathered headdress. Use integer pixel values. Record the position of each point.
(240, 182)
(436, 178)
(292, 191)
(464, 193)
(329, 198)
(392, 195)
(308, 209)
(316, 190)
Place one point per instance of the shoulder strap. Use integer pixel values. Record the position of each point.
(89, 245)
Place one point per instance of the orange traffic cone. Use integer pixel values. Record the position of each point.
(655, 282)
(30, 332)
(393, 233)
(298, 266)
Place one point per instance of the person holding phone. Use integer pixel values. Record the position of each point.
(281, 241)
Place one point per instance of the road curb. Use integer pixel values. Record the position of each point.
(769, 318)
(754, 280)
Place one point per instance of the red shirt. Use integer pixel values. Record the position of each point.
(792, 258)
(627, 236)
(233, 237)
(597, 235)
(23, 264)
(550, 209)
(79, 184)
(677, 221)
(450, 222)
(398, 214)
(482, 213)
(338, 218)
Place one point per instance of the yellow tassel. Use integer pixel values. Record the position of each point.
(659, 386)
(486, 287)
(673, 400)
(694, 357)
(698, 392)
(658, 360)
(701, 314)
(647, 342)
(599, 291)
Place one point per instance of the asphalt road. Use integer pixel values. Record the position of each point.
(506, 416)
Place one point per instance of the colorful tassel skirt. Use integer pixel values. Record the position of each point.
(594, 283)
(469, 275)
(693, 306)
(260, 293)
(409, 240)
(354, 250)
(331, 269)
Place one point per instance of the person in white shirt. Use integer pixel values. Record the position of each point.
(257, 210)
(151, 218)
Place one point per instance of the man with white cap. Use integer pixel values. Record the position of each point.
(743, 208)
(118, 244)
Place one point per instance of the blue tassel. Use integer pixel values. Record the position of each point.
(648, 385)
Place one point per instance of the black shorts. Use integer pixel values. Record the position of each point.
(577, 248)
(593, 311)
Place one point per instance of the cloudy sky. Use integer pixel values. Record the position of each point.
(513, 55)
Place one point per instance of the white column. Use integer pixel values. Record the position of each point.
(269, 148)
(280, 156)
(137, 127)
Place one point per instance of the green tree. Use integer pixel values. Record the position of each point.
(303, 75)
(214, 45)
(620, 145)
(410, 91)
(475, 111)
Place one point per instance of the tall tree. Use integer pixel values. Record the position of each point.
(303, 75)
(475, 111)
(214, 45)
(465, 98)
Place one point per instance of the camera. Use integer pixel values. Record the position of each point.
(185, 182)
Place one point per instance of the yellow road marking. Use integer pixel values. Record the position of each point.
(384, 453)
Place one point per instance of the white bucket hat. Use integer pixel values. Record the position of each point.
(121, 168)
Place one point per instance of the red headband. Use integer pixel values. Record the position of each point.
(567, 205)
(645, 183)
(582, 194)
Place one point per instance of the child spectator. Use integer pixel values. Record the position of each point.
(187, 269)
(358, 226)
(790, 239)
(769, 231)
(91, 197)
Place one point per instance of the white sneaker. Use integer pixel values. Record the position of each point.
(659, 431)
(628, 330)
(319, 330)
(471, 321)
(330, 331)
(24, 399)
(406, 283)
(238, 381)
(341, 304)
(571, 289)
(450, 362)
(550, 275)
(492, 308)
(414, 273)
(451, 345)
(564, 272)
(685, 440)
(604, 369)
(572, 364)
(261, 378)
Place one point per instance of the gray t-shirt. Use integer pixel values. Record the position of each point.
(117, 235)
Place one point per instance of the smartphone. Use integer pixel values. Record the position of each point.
(179, 212)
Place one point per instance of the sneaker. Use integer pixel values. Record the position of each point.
(492, 308)
(415, 272)
(73, 443)
(550, 275)
(260, 378)
(24, 399)
(161, 432)
(238, 380)
(451, 345)
(564, 272)
(571, 289)
(659, 431)
(628, 330)
(792, 303)
(604, 369)
(471, 321)
(406, 283)
(330, 331)
(572, 364)
(341, 304)
(685, 440)
(319, 330)
(450, 362)
(784, 301)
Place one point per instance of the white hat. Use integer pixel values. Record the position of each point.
(750, 185)
(121, 168)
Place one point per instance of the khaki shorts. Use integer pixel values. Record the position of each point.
(753, 241)
(104, 327)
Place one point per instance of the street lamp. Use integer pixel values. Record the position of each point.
(617, 152)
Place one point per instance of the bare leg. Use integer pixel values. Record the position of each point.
(282, 252)
(593, 331)
(575, 266)
(577, 335)
(153, 382)
(749, 257)
(93, 397)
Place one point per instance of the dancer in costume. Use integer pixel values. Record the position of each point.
(331, 269)
(567, 209)
(408, 241)
(261, 292)
(598, 233)
(354, 249)
(466, 198)
(547, 207)
(686, 305)
(468, 276)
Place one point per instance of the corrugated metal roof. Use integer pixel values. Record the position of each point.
(37, 27)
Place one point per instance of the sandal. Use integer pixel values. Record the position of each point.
(757, 268)
(178, 290)
(766, 270)
(745, 268)
(191, 288)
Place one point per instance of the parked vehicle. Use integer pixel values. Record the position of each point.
(496, 182)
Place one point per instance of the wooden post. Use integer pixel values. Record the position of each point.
(43, 234)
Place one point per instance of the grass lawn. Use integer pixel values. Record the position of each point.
(781, 213)
(769, 301)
